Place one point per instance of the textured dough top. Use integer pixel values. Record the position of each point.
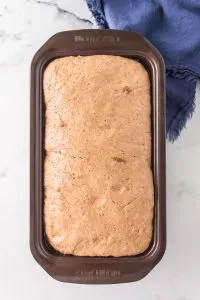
(98, 181)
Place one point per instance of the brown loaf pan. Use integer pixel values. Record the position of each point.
(96, 270)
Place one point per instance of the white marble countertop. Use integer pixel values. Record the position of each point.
(24, 26)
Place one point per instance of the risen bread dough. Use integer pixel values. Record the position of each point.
(98, 183)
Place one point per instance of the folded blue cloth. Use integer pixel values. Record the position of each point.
(173, 26)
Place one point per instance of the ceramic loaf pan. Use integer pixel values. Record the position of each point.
(97, 270)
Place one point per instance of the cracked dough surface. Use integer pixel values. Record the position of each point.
(98, 182)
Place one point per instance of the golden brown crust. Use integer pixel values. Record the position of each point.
(98, 181)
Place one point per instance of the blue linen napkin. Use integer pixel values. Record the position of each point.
(173, 26)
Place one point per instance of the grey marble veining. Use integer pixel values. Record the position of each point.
(63, 11)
